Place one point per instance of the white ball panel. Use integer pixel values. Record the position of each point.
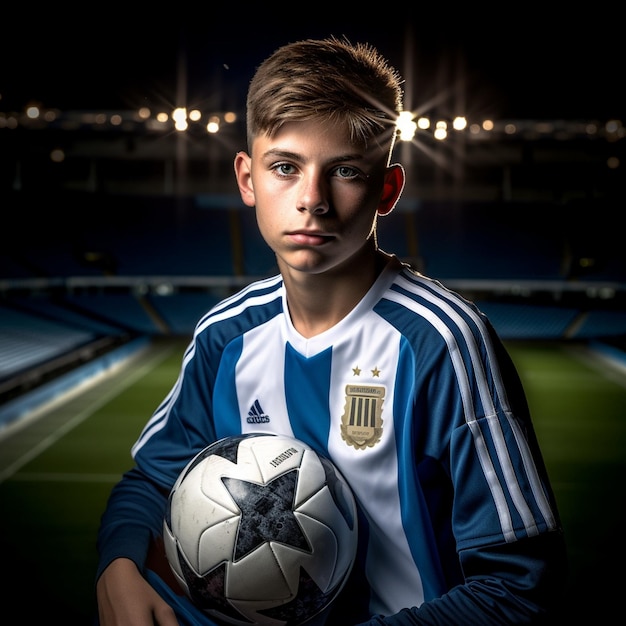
(311, 478)
(251, 610)
(217, 544)
(257, 577)
(291, 560)
(194, 513)
(321, 565)
(273, 455)
(211, 485)
(322, 507)
(171, 552)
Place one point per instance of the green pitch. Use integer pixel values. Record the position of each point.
(56, 472)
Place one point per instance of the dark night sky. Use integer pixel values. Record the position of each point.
(530, 68)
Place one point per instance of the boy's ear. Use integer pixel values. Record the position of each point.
(243, 175)
(392, 188)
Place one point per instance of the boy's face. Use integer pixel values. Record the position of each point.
(316, 194)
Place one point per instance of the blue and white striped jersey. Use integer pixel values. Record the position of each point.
(411, 395)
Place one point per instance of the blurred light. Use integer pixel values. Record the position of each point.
(604, 293)
(423, 123)
(615, 130)
(164, 289)
(213, 125)
(612, 163)
(144, 113)
(11, 122)
(612, 126)
(32, 112)
(116, 119)
(57, 155)
(545, 128)
(195, 115)
(510, 129)
(162, 117)
(459, 123)
(179, 116)
(441, 130)
(487, 124)
(406, 125)
(230, 117)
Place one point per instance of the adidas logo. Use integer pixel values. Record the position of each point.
(256, 415)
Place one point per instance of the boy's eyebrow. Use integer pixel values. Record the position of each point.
(294, 156)
(284, 154)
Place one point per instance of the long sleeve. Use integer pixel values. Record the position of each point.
(133, 517)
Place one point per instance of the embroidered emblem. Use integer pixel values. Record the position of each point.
(362, 422)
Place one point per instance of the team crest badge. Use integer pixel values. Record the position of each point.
(362, 422)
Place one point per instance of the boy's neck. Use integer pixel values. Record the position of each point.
(319, 301)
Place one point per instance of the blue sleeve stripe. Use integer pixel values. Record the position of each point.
(423, 297)
(531, 471)
(489, 471)
(465, 310)
(255, 293)
(539, 493)
(490, 412)
(158, 420)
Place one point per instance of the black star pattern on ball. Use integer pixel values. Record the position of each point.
(207, 591)
(266, 513)
(309, 601)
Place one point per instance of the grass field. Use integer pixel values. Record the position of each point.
(57, 469)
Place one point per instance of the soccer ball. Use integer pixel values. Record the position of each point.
(260, 529)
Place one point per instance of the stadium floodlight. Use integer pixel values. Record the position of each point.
(406, 126)
(179, 116)
(459, 123)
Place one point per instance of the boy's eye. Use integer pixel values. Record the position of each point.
(344, 171)
(285, 169)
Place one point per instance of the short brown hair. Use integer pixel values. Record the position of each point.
(328, 79)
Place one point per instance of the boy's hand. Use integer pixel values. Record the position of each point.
(126, 599)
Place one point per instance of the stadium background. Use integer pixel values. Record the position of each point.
(119, 232)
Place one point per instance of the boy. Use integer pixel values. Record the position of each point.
(457, 513)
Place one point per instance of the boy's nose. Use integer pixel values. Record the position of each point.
(313, 197)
